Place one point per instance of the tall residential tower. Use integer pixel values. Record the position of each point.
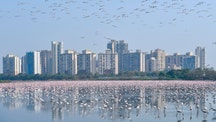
(11, 65)
(200, 53)
(119, 47)
(57, 49)
(86, 62)
(68, 63)
(108, 63)
(156, 61)
(46, 58)
(32, 63)
(134, 61)
(190, 61)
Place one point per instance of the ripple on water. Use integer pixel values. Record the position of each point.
(110, 100)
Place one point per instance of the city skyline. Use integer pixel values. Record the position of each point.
(116, 59)
(174, 26)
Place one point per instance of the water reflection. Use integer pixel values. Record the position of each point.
(115, 100)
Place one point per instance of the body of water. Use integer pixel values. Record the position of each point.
(108, 101)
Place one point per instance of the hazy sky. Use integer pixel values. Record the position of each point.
(171, 25)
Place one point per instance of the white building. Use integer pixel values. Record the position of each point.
(68, 63)
(157, 56)
(86, 62)
(11, 65)
(57, 49)
(108, 63)
(200, 52)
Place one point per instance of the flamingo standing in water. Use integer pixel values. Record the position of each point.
(211, 108)
(179, 112)
(205, 111)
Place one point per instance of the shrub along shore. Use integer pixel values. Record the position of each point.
(198, 74)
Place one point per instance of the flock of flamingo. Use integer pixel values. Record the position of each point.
(114, 100)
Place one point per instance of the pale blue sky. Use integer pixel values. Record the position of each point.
(171, 25)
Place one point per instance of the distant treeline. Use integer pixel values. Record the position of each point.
(198, 74)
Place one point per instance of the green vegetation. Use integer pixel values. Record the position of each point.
(4, 81)
(198, 74)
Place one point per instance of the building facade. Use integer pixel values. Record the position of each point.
(68, 63)
(57, 49)
(200, 53)
(134, 61)
(174, 62)
(86, 62)
(119, 47)
(157, 56)
(190, 61)
(113, 45)
(11, 65)
(32, 63)
(108, 63)
(46, 62)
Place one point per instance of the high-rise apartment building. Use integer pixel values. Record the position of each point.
(57, 49)
(86, 62)
(108, 63)
(177, 61)
(113, 46)
(46, 62)
(159, 57)
(200, 52)
(152, 64)
(68, 63)
(174, 62)
(11, 65)
(23, 68)
(119, 47)
(134, 61)
(190, 61)
(32, 63)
